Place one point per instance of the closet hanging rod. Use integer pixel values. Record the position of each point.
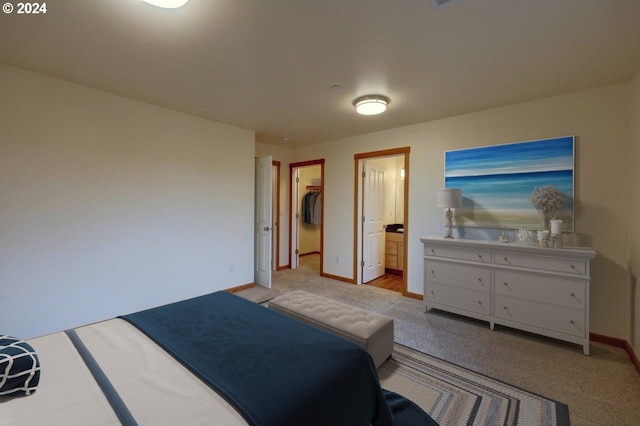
(314, 187)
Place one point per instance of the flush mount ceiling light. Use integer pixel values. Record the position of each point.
(371, 104)
(167, 4)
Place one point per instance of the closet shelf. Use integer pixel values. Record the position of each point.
(314, 188)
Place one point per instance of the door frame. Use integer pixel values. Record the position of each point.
(357, 240)
(293, 166)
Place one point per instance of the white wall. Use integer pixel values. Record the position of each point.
(399, 190)
(634, 214)
(599, 120)
(109, 205)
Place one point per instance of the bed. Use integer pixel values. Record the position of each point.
(213, 359)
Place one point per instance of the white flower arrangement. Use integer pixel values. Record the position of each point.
(548, 200)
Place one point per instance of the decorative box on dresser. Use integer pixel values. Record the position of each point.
(538, 290)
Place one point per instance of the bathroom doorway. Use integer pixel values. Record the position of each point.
(381, 218)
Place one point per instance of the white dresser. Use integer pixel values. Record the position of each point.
(539, 290)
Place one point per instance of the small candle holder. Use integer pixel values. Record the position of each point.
(556, 240)
(543, 238)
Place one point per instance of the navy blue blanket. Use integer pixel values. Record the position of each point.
(272, 369)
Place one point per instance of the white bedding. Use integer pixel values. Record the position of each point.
(156, 388)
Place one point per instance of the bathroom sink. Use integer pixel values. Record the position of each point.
(396, 227)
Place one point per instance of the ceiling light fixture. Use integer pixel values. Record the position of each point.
(167, 4)
(371, 104)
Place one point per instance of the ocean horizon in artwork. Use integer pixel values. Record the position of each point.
(497, 182)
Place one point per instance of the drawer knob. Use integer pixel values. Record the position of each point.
(505, 284)
(572, 322)
(573, 267)
(505, 308)
(506, 260)
(572, 295)
(433, 251)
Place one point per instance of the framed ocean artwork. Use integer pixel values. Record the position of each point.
(497, 182)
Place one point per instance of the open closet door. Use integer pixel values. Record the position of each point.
(295, 214)
(373, 222)
(262, 273)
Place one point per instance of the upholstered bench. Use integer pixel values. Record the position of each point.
(370, 330)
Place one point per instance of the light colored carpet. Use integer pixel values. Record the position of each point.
(600, 389)
(453, 395)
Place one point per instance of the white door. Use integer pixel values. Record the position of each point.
(295, 218)
(373, 222)
(262, 273)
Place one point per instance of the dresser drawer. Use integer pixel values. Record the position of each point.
(550, 317)
(559, 291)
(470, 276)
(394, 236)
(571, 266)
(470, 255)
(458, 297)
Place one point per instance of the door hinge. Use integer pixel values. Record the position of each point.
(362, 219)
(297, 251)
(297, 180)
(297, 215)
(362, 263)
(364, 174)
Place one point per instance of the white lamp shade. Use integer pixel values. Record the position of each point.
(450, 198)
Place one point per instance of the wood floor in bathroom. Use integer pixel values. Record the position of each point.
(389, 281)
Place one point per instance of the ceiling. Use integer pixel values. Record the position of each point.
(269, 65)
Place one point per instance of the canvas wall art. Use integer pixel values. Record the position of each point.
(497, 182)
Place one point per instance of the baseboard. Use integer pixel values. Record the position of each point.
(413, 295)
(283, 267)
(618, 343)
(339, 278)
(240, 288)
(632, 356)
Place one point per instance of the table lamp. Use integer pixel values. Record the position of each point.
(449, 198)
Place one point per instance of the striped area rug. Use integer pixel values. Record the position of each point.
(453, 395)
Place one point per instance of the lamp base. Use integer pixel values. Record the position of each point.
(448, 232)
(448, 223)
